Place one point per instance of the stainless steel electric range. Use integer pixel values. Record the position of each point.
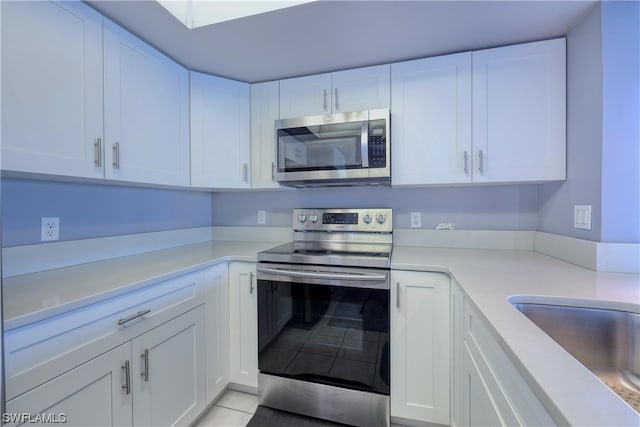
(323, 317)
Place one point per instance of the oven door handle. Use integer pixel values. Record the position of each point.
(328, 276)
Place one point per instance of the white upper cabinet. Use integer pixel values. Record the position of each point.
(146, 112)
(51, 88)
(265, 110)
(305, 96)
(431, 120)
(220, 126)
(519, 112)
(495, 115)
(342, 91)
(361, 89)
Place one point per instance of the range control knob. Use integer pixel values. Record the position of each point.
(302, 218)
(380, 219)
(367, 219)
(313, 219)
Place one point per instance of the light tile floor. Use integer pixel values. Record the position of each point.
(232, 409)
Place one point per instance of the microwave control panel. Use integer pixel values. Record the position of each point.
(377, 144)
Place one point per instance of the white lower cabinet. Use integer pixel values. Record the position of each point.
(217, 313)
(457, 355)
(494, 393)
(90, 395)
(420, 346)
(137, 359)
(156, 377)
(243, 325)
(167, 368)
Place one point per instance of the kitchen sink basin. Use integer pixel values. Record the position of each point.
(606, 341)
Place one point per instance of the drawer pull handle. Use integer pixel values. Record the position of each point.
(127, 379)
(133, 317)
(145, 357)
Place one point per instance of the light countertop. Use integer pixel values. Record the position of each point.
(36, 296)
(488, 278)
(569, 391)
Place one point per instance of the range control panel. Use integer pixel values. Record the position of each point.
(379, 220)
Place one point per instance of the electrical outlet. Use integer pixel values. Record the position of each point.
(416, 220)
(50, 229)
(262, 217)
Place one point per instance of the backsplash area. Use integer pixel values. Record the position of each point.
(96, 210)
(504, 207)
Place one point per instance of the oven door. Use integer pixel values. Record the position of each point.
(324, 325)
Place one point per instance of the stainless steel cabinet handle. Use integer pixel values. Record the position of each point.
(127, 377)
(336, 100)
(145, 358)
(273, 171)
(324, 102)
(97, 152)
(116, 155)
(480, 162)
(397, 294)
(245, 172)
(466, 162)
(132, 317)
(251, 287)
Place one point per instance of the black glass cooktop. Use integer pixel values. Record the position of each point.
(330, 253)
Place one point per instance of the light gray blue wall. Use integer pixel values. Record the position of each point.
(508, 207)
(603, 130)
(91, 210)
(584, 136)
(621, 122)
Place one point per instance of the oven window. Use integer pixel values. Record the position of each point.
(326, 334)
(321, 147)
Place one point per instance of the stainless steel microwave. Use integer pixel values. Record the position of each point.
(335, 149)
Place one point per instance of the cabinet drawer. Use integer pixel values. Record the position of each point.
(40, 351)
(514, 400)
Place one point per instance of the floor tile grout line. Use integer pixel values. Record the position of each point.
(234, 409)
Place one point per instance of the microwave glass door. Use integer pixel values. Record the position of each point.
(334, 146)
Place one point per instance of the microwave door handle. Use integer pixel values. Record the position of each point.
(329, 276)
(364, 145)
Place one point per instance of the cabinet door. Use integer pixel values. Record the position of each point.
(458, 356)
(93, 394)
(305, 96)
(51, 88)
(361, 89)
(519, 112)
(265, 110)
(431, 120)
(217, 312)
(243, 302)
(168, 372)
(420, 337)
(479, 408)
(220, 126)
(146, 98)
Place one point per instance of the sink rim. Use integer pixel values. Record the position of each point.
(623, 306)
(623, 381)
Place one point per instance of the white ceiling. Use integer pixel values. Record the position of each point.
(333, 35)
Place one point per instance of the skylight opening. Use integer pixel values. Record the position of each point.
(198, 13)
